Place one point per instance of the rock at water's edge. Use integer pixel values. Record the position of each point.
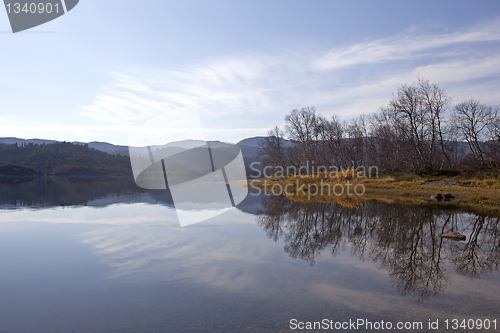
(448, 196)
(454, 235)
(438, 197)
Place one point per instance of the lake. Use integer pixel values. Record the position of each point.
(101, 255)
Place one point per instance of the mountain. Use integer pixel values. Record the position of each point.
(11, 141)
(252, 142)
(248, 146)
(82, 157)
(60, 158)
(105, 147)
(102, 146)
(40, 156)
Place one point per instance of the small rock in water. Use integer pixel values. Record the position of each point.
(454, 235)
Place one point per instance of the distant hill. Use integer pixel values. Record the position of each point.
(105, 147)
(11, 141)
(252, 142)
(83, 158)
(60, 158)
(248, 145)
(102, 146)
(17, 170)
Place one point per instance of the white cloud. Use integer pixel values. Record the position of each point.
(245, 95)
(404, 47)
(460, 71)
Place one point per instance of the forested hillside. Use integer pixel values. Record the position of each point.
(62, 159)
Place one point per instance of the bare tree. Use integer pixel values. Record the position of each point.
(493, 143)
(412, 133)
(273, 147)
(393, 150)
(357, 133)
(301, 128)
(408, 106)
(434, 102)
(332, 137)
(472, 119)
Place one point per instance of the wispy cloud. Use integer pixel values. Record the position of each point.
(244, 95)
(405, 47)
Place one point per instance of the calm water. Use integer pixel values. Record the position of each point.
(105, 256)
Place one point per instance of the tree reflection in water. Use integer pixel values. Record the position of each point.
(404, 240)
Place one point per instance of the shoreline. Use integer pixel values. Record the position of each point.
(389, 189)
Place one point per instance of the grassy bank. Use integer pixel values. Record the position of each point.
(477, 191)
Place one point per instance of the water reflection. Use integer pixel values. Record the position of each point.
(47, 192)
(131, 265)
(480, 254)
(404, 240)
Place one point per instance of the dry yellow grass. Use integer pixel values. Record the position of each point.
(478, 195)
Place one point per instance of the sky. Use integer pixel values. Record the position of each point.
(101, 71)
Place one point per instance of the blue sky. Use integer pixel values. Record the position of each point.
(106, 67)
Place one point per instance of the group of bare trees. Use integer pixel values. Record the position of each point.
(418, 131)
